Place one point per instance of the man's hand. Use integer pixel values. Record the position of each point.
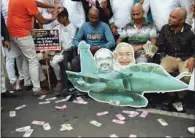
(6, 44)
(94, 49)
(191, 64)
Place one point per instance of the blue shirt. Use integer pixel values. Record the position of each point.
(99, 35)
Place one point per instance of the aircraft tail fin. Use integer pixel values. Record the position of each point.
(87, 62)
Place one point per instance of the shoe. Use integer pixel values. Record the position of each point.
(28, 87)
(58, 86)
(41, 92)
(8, 94)
(12, 86)
(191, 129)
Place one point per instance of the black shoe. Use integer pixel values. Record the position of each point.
(28, 87)
(8, 94)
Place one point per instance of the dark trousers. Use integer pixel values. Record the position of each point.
(76, 65)
(68, 55)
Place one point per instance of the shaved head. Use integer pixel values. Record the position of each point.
(137, 7)
(180, 12)
(137, 13)
(93, 10)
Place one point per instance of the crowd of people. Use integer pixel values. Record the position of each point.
(166, 24)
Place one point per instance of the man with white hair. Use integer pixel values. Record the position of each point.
(104, 60)
(124, 55)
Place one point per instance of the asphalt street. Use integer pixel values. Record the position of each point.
(79, 117)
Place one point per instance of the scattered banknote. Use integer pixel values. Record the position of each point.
(44, 102)
(120, 117)
(118, 121)
(79, 102)
(162, 122)
(38, 122)
(102, 113)
(66, 127)
(144, 114)
(46, 126)
(23, 129)
(28, 133)
(20, 107)
(12, 113)
(114, 102)
(63, 100)
(132, 136)
(61, 107)
(133, 114)
(42, 97)
(113, 136)
(96, 123)
(49, 99)
(129, 112)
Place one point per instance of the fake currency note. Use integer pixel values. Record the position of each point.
(38, 122)
(134, 114)
(61, 107)
(114, 102)
(96, 123)
(118, 121)
(20, 107)
(42, 97)
(44, 102)
(66, 127)
(49, 99)
(23, 129)
(113, 136)
(102, 113)
(162, 122)
(132, 136)
(144, 114)
(46, 126)
(63, 100)
(12, 113)
(120, 117)
(28, 133)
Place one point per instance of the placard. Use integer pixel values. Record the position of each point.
(46, 39)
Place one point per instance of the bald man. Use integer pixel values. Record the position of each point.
(96, 33)
(177, 42)
(138, 32)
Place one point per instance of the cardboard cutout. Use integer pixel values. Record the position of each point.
(124, 87)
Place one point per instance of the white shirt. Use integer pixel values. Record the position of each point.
(46, 14)
(121, 12)
(67, 34)
(161, 9)
(4, 9)
(75, 11)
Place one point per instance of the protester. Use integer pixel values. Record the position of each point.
(96, 33)
(67, 33)
(138, 32)
(6, 44)
(20, 18)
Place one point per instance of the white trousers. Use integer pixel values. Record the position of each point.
(10, 67)
(27, 47)
(55, 65)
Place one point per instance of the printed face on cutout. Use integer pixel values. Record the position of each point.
(124, 55)
(104, 60)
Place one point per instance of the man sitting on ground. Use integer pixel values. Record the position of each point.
(96, 33)
(177, 42)
(138, 32)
